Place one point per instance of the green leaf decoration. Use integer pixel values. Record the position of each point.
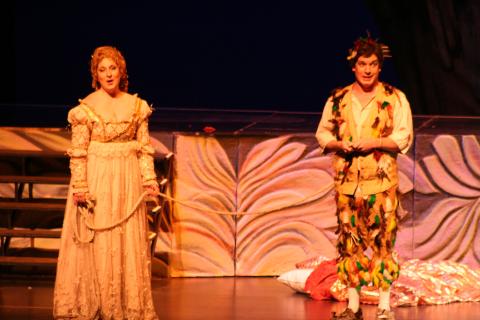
(382, 267)
(385, 104)
(335, 107)
(372, 199)
(359, 266)
(352, 220)
(377, 220)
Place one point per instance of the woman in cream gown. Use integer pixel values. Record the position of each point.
(103, 269)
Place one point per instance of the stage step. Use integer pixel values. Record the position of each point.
(35, 179)
(30, 233)
(37, 261)
(47, 205)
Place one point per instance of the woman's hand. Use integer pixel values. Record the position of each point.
(80, 199)
(152, 190)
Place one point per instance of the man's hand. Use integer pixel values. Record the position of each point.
(346, 146)
(366, 145)
(339, 146)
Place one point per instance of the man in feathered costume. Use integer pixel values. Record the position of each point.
(366, 125)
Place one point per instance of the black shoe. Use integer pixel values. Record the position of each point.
(383, 314)
(348, 314)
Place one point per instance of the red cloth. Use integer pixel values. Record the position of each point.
(320, 281)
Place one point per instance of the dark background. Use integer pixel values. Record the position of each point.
(262, 55)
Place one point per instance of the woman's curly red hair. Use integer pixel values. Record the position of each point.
(113, 53)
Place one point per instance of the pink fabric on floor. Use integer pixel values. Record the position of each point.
(420, 283)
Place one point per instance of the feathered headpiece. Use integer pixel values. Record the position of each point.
(368, 41)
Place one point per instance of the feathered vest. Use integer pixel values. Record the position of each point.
(374, 172)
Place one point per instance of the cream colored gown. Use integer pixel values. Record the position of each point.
(108, 277)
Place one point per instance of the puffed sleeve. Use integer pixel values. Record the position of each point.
(78, 119)
(402, 133)
(324, 131)
(146, 149)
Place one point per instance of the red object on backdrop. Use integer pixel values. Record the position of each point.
(209, 129)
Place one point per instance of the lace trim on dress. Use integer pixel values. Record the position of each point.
(130, 124)
(114, 149)
(76, 153)
(96, 117)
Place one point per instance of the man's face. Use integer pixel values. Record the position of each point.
(367, 70)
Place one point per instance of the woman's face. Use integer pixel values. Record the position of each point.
(108, 75)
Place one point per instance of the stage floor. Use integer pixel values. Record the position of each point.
(226, 298)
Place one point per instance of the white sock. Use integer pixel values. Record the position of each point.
(353, 299)
(384, 301)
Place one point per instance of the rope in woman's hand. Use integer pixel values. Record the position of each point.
(86, 215)
(243, 213)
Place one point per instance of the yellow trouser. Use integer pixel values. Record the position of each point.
(364, 223)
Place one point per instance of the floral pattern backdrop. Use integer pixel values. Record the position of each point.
(259, 204)
(276, 195)
(446, 220)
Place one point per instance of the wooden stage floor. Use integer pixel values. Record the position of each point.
(218, 298)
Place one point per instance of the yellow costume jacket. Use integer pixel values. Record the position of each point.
(387, 115)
